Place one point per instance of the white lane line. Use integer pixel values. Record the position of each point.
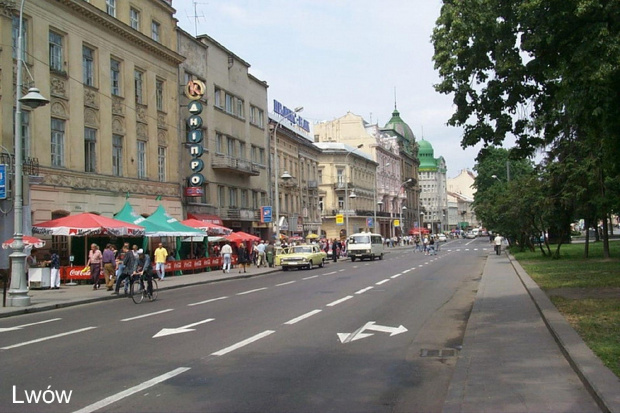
(363, 290)
(342, 300)
(207, 301)
(382, 281)
(309, 278)
(147, 315)
(46, 338)
(302, 317)
(2, 330)
(118, 396)
(330, 273)
(396, 275)
(406, 271)
(243, 343)
(286, 283)
(252, 291)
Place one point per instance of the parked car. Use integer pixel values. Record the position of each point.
(303, 256)
(442, 238)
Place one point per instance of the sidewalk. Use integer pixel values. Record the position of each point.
(521, 355)
(66, 296)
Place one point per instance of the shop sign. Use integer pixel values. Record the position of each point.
(2, 181)
(291, 115)
(195, 90)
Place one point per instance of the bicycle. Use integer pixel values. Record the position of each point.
(138, 290)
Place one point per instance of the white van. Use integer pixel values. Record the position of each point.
(365, 245)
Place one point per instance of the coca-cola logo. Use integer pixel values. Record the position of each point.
(75, 272)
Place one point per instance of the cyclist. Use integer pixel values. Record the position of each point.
(144, 270)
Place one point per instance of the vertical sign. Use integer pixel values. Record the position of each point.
(2, 181)
(194, 90)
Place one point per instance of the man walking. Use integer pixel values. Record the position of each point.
(161, 254)
(109, 266)
(498, 244)
(227, 256)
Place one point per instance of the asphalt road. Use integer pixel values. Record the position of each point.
(363, 336)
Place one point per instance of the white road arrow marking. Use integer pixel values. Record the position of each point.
(184, 329)
(359, 334)
(2, 330)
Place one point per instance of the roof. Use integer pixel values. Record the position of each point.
(342, 147)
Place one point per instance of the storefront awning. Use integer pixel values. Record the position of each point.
(211, 219)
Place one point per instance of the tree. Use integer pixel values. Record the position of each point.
(546, 72)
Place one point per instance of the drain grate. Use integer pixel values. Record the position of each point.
(438, 353)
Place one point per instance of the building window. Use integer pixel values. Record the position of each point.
(161, 164)
(230, 146)
(219, 143)
(90, 154)
(15, 36)
(58, 142)
(141, 155)
(218, 98)
(232, 197)
(138, 85)
(88, 67)
(110, 7)
(242, 154)
(255, 200)
(221, 196)
(244, 198)
(56, 55)
(239, 107)
(159, 94)
(155, 31)
(115, 77)
(117, 155)
(134, 18)
(257, 117)
(230, 100)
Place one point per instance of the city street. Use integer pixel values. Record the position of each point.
(363, 336)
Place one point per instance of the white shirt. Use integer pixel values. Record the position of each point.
(226, 249)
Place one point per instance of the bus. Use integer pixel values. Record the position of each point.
(365, 245)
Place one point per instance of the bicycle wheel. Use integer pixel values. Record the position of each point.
(137, 292)
(155, 289)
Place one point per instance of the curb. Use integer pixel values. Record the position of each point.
(601, 383)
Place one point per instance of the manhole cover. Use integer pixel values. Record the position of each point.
(438, 353)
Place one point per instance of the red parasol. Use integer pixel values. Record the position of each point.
(241, 236)
(87, 224)
(28, 242)
(212, 229)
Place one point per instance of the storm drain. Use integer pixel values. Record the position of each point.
(438, 353)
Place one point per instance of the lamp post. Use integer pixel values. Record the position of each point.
(403, 208)
(346, 189)
(379, 203)
(18, 292)
(276, 171)
(421, 222)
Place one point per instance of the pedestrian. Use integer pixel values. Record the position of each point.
(145, 269)
(243, 257)
(261, 254)
(431, 246)
(335, 250)
(54, 270)
(160, 261)
(94, 262)
(129, 265)
(31, 261)
(498, 244)
(109, 266)
(270, 252)
(426, 245)
(227, 256)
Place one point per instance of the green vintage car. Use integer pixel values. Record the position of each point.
(303, 256)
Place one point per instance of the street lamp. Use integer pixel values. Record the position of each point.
(18, 292)
(403, 208)
(346, 189)
(275, 174)
(379, 203)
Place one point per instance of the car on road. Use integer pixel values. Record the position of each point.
(470, 235)
(303, 256)
(442, 238)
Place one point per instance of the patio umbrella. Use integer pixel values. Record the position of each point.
(210, 228)
(241, 236)
(28, 242)
(87, 224)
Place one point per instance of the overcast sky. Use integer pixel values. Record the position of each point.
(339, 56)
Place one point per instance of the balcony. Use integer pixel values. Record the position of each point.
(231, 164)
(241, 214)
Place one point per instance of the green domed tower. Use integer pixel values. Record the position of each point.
(426, 154)
(397, 124)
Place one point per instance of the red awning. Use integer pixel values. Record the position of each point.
(210, 219)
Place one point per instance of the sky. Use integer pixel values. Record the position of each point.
(339, 56)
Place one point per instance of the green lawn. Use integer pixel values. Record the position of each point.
(594, 315)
